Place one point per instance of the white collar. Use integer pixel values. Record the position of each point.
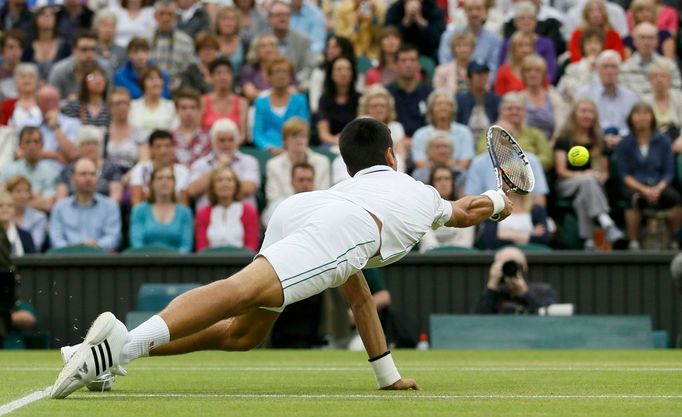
(372, 169)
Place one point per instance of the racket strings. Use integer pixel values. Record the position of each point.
(512, 164)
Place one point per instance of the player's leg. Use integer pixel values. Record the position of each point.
(239, 333)
(257, 285)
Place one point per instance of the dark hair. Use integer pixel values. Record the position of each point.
(363, 144)
(205, 40)
(385, 33)
(84, 34)
(592, 33)
(407, 47)
(329, 89)
(159, 134)
(221, 61)
(186, 93)
(15, 34)
(641, 106)
(302, 165)
(152, 69)
(152, 196)
(136, 44)
(34, 22)
(346, 47)
(432, 176)
(124, 3)
(84, 94)
(27, 131)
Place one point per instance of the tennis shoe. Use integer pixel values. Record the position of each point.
(102, 383)
(95, 357)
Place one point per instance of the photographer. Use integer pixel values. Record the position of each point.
(508, 292)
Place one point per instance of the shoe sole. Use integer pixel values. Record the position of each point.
(100, 328)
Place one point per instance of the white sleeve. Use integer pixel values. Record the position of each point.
(136, 176)
(442, 210)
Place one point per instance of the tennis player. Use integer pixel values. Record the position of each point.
(314, 241)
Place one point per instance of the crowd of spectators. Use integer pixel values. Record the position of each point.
(184, 123)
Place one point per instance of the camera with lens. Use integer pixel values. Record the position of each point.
(509, 270)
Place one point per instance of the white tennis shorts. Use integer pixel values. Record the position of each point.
(315, 241)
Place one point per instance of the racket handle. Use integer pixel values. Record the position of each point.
(495, 217)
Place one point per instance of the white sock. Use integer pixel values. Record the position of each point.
(605, 220)
(153, 332)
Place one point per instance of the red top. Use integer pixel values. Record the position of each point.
(7, 110)
(613, 41)
(507, 82)
(249, 220)
(210, 116)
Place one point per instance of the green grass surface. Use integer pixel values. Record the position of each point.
(337, 383)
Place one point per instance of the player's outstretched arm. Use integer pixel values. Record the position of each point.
(366, 318)
(473, 209)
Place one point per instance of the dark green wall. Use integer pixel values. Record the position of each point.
(69, 292)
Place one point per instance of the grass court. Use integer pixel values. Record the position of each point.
(340, 383)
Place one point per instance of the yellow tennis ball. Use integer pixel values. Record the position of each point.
(578, 156)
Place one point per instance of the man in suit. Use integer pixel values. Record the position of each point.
(291, 44)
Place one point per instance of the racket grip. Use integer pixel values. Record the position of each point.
(495, 217)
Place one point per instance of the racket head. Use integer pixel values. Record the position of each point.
(512, 169)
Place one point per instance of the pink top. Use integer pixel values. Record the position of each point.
(249, 221)
(666, 20)
(210, 116)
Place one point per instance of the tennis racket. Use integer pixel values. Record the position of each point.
(512, 170)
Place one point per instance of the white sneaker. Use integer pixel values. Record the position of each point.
(102, 383)
(97, 355)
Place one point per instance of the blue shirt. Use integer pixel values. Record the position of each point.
(487, 48)
(613, 110)
(410, 107)
(72, 223)
(463, 145)
(129, 79)
(43, 175)
(146, 230)
(267, 127)
(481, 176)
(311, 22)
(658, 165)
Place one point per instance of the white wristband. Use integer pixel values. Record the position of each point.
(497, 199)
(385, 371)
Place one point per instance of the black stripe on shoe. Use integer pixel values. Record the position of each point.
(94, 355)
(106, 345)
(104, 359)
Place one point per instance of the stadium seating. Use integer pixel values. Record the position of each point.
(458, 249)
(149, 249)
(76, 250)
(154, 297)
(226, 249)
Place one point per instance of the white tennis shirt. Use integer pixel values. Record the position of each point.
(407, 208)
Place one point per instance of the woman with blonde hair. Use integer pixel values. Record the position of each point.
(441, 108)
(376, 102)
(666, 102)
(667, 18)
(453, 75)
(227, 28)
(545, 108)
(253, 78)
(161, 220)
(595, 16)
(508, 79)
(585, 184)
(227, 221)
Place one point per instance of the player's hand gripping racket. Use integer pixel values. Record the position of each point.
(512, 170)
